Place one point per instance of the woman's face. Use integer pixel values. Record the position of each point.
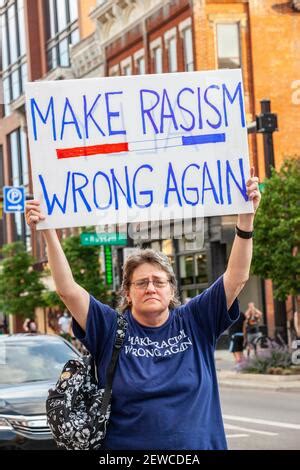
(149, 299)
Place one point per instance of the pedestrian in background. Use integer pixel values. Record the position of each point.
(64, 324)
(253, 320)
(237, 340)
(30, 326)
(297, 324)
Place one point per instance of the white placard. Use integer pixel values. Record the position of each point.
(136, 148)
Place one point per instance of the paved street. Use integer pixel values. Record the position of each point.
(261, 420)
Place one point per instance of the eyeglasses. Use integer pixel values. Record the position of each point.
(144, 283)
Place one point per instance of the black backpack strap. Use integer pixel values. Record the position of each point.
(120, 335)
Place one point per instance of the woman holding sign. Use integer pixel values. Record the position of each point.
(165, 392)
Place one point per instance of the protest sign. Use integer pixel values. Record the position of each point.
(139, 148)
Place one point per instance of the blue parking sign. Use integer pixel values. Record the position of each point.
(13, 199)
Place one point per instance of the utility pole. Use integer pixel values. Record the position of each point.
(266, 124)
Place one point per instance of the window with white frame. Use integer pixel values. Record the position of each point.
(62, 31)
(140, 66)
(172, 54)
(228, 45)
(14, 63)
(114, 71)
(20, 177)
(126, 67)
(188, 53)
(127, 70)
(157, 60)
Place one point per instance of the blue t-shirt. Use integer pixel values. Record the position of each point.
(165, 393)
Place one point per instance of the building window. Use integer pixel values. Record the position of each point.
(1, 167)
(127, 70)
(126, 67)
(62, 31)
(193, 269)
(114, 71)
(20, 177)
(14, 66)
(188, 50)
(228, 46)
(172, 54)
(19, 160)
(140, 66)
(165, 246)
(2, 223)
(157, 60)
(201, 276)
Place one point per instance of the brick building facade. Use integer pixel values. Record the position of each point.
(36, 36)
(268, 46)
(268, 53)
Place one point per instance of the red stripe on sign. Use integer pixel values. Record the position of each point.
(91, 150)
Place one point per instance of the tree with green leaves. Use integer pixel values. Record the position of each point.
(85, 266)
(277, 231)
(21, 288)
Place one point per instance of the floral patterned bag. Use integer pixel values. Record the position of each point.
(77, 411)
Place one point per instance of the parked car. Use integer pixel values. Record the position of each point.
(30, 364)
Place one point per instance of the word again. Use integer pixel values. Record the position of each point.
(104, 190)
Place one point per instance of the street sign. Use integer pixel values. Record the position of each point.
(14, 199)
(109, 277)
(93, 238)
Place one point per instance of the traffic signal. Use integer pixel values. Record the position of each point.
(266, 122)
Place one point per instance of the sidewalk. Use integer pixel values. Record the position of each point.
(228, 377)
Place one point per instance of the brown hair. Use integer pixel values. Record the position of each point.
(137, 259)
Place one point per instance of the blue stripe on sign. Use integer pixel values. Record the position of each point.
(203, 139)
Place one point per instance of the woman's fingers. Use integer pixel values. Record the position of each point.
(36, 213)
(34, 218)
(252, 184)
(253, 191)
(253, 194)
(252, 187)
(33, 213)
(29, 208)
(33, 202)
(252, 180)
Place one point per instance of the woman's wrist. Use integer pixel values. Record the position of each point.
(245, 222)
(50, 234)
